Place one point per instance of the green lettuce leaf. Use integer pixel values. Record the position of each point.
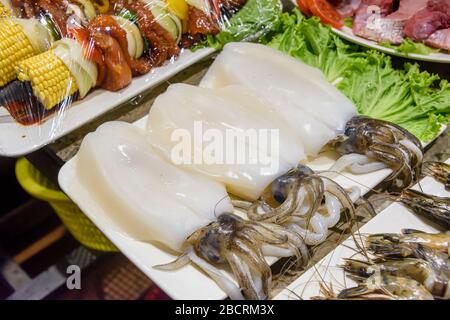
(348, 22)
(409, 46)
(417, 101)
(312, 42)
(255, 20)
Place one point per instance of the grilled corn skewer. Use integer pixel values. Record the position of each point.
(23, 38)
(50, 78)
(14, 47)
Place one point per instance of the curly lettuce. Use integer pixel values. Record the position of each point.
(410, 46)
(418, 101)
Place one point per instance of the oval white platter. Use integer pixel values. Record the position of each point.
(187, 282)
(17, 140)
(328, 270)
(347, 33)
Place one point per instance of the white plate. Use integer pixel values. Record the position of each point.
(188, 282)
(392, 219)
(17, 140)
(347, 34)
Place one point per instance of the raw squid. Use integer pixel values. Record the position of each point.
(224, 110)
(238, 109)
(298, 92)
(318, 112)
(143, 191)
(158, 202)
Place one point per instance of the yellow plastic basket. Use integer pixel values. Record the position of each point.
(75, 221)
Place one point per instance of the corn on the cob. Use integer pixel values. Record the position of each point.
(50, 78)
(4, 12)
(14, 47)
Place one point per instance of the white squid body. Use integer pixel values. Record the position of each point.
(299, 93)
(142, 192)
(229, 108)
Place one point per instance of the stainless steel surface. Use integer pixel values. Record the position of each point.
(16, 277)
(54, 277)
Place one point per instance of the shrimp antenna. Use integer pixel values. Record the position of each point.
(351, 179)
(294, 293)
(217, 204)
(420, 186)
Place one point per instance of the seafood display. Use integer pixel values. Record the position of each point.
(388, 21)
(181, 210)
(235, 182)
(318, 113)
(222, 208)
(59, 51)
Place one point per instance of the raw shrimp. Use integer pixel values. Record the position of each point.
(404, 244)
(439, 171)
(154, 201)
(390, 287)
(435, 208)
(318, 113)
(418, 269)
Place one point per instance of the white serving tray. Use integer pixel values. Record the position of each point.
(392, 220)
(347, 34)
(188, 282)
(17, 140)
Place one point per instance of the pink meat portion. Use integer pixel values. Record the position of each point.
(440, 5)
(346, 8)
(370, 23)
(369, 9)
(440, 39)
(407, 9)
(421, 20)
(426, 22)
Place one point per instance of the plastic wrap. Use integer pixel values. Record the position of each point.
(63, 63)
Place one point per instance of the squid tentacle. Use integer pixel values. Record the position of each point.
(181, 261)
(393, 156)
(228, 286)
(255, 260)
(302, 227)
(382, 141)
(252, 235)
(244, 277)
(294, 240)
(343, 196)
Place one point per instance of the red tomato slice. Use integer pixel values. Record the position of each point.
(303, 5)
(90, 51)
(326, 12)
